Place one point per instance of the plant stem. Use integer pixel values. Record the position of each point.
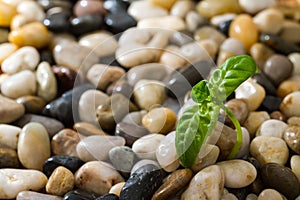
(239, 134)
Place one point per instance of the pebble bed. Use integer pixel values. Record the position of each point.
(91, 91)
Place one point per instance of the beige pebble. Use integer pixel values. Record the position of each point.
(31, 10)
(294, 121)
(194, 20)
(210, 8)
(269, 20)
(233, 45)
(252, 93)
(6, 49)
(142, 163)
(291, 104)
(9, 135)
(295, 59)
(251, 197)
(116, 189)
(254, 120)
(208, 32)
(10, 110)
(253, 7)
(206, 157)
(239, 109)
(64, 143)
(167, 22)
(295, 163)
(223, 56)
(244, 149)
(229, 196)
(60, 182)
(24, 58)
(19, 20)
(289, 31)
(171, 58)
(210, 46)
(60, 38)
(193, 52)
(260, 54)
(269, 149)
(218, 19)
(270, 194)
(145, 9)
(181, 8)
(32, 137)
(288, 86)
(88, 129)
(97, 176)
(272, 128)
(30, 195)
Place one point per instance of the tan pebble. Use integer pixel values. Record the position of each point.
(272, 128)
(233, 45)
(64, 143)
(60, 182)
(167, 4)
(10, 110)
(260, 54)
(289, 31)
(207, 32)
(145, 9)
(27, 195)
(291, 104)
(223, 56)
(270, 194)
(295, 59)
(295, 163)
(288, 86)
(278, 115)
(292, 138)
(210, 46)
(9, 135)
(9, 158)
(116, 189)
(6, 49)
(88, 129)
(181, 8)
(7, 12)
(294, 121)
(210, 8)
(207, 156)
(194, 20)
(239, 109)
(173, 23)
(254, 120)
(32, 104)
(269, 20)
(18, 21)
(171, 58)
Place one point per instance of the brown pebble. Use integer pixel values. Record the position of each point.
(64, 143)
(32, 104)
(260, 54)
(239, 109)
(86, 7)
(278, 115)
(87, 129)
(8, 158)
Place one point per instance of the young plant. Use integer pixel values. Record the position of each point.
(198, 121)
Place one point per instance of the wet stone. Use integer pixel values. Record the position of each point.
(8, 158)
(25, 195)
(119, 22)
(10, 110)
(143, 183)
(281, 179)
(291, 136)
(72, 163)
(80, 194)
(86, 24)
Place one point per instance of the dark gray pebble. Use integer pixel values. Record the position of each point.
(80, 195)
(108, 197)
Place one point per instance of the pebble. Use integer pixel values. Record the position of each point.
(150, 71)
(80, 194)
(181, 8)
(293, 121)
(119, 22)
(27, 195)
(8, 158)
(7, 12)
(101, 42)
(208, 32)
(193, 20)
(116, 189)
(170, 22)
(143, 183)
(86, 7)
(134, 118)
(252, 93)
(166, 153)
(108, 197)
(262, 80)
(295, 161)
(272, 128)
(32, 104)
(291, 136)
(254, 7)
(87, 129)
(97, 176)
(85, 24)
(224, 27)
(146, 9)
(254, 120)
(14, 181)
(289, 30)
(270, 194)
(116, 6)
(97, 147)
(238, 173)
(172, 184)
(33, 34)
(275, 71)
(20, 84)
(102, 75)
(210, 8)
(251, 197)
(32, 137)
(218, 19)
(10, 110)
(130, 132)
(295, 59)
(244, 149)
(277, 115)
(269, 150)
(269, 21)
(233, 45)
(281, 179)
(19, 20)
(71, 163)
(122, 87)
(60, 182)
(206, 184)
(143, 163)
(271, 103)
(6, 49)
(145, 147)
(58, 21)
(289, 105)
(9, 135)
(244, 29)
(167, 4)
(52, 125)
(31, 10)
(210, 46)
(260, 54)
(4, 35)
(239, 109)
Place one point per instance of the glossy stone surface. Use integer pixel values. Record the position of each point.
(32, 104)
(119, 22)
(10, 110)
(85, 24)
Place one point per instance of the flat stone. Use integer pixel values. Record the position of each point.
(10, 110)
(8, 158)
(9, 135)
(32, 104)
(26, 195)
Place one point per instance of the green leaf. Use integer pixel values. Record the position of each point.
(194, 126)
(200, 92)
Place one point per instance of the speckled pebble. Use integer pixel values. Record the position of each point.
(65, 142)
(290, 104)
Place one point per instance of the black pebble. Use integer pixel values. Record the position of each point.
(86, 24)
(80, 195)
(271, 103)
(264, 81)
(223, 27)
(116, 6)
(58, 22)
(108, 197)
(119, 22)
(46, 55)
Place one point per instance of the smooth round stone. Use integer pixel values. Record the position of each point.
(278, 68)
(8, 158)
(59, 38)
(130, 132)
(244, 149)
(252, 93)
(294, 121)
(24, 58)
(86, 7)
(281, 179)
(142, 183)
(148, 93)
(272, 128)
(269, 20)
(295, 59)
(33, 34)
(269, 150)
(210, 8)
(119, 22)
(6, 49)
(80, 194)
(52, 126)
(254, 120)
(239, 109)
(18, 21)
(208, 32)
(251, 197)
(289, 31)
(71, 163)
(103, 75)
(87, 129)
(32, 104)
(57, 21)
(166, 153)
(108, 197)
(244, 29)
(88, 103)
(290, 104)
(150, 71)
(262, 80)
(253, 7)
(60, 182)
(83, 60)
(193, 20)
(270, 194)
(145, 9)
(238, 173)
(122, 158)
(233, 45)
(86, 24)
(219, 19)
(134, 118)
(143, 163)
(173, 183)
(116, 189)
(102, 42)
(31, 10)
(171, 59)
(7, 12)
(10, 110)
(208, 183)
(32, 137)
(47, 87)
(25, 195)
(181, 8)
(97, 147)
(295, 162)
(97, 176)
(9, 135)
(167, 4)
(260, 53)
(145, 147)
(14, 181)
(167, 22)
(291, 136)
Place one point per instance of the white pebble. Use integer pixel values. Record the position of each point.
(272, 128)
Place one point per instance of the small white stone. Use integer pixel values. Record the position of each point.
(6, 49)
(173, 23)
(295, 59)
(269, 21)
(295, 163)
(272, 128)
(216, 20)
(269, 150)
(290, 106)
(31, 10)
(234, 46)
(181, 8)
(9, 135)
(253, 7)
(244, 149)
